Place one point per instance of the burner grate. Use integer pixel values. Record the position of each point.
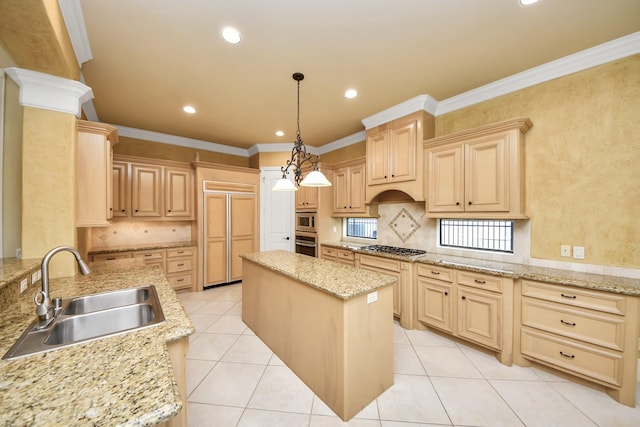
(394, 250)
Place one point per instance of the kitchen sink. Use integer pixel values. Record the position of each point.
(97, 302)
(91, 317)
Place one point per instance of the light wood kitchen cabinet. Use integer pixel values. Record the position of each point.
(583, 332)
(349, 189)
(402, 297)
(120, 189)
(307, 199)
(341, 256)
(152, 189)
(477, 173)
(93, 174)
(112, 256)
(392, 160)
(181, 267)
(473, 306)
(178, 192)
(152, 257)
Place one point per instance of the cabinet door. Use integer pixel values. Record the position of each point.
(486, 178)
(120, 189)
(145, 190)
(215, 268)
(445, 179)
(377, 147)
(178, 193)
(341, 190)
(435, 304)
(93, 182)
(307, 199)
(479, 317)
(243, 231)
(402, 148)
(357, 189)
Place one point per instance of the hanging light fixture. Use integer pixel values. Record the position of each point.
(299, 157)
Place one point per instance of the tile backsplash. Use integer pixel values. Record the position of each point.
(123, 233)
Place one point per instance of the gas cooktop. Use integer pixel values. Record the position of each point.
(394, 250)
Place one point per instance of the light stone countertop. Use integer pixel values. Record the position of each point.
(139, 247)
(125, 379)
(339, 280)
(599, 282)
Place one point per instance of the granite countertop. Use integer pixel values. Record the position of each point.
(139, 247)
(599, 282)
(339, 280)
(13, 268)
(125, 379)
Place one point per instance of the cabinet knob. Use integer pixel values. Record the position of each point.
(457, 203)
(446, 293)
(136, 210)
(463, 297)
(469, 202)
(169, 210)
(122, 210)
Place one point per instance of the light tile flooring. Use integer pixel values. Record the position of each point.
(233, 379)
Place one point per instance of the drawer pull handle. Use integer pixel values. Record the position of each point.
(180, 252)
(481, 282)
(567, 355)
(435, 272)
(568, 296)
(567, 323)
(180, 265)
(180, 280)
(111, 258)
(148, 254)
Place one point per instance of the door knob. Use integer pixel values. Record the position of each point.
(286, 238)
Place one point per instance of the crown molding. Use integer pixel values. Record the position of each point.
(278, 148)
(417, 103)
(588, 58)
(164, 138)
(77, 29)
(49, 92)
(343, 142)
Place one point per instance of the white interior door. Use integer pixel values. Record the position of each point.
(276, 220)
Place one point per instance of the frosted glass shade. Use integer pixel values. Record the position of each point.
(315, 179)
(284, 184)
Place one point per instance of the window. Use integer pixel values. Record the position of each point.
(362, 227)
(489, 235)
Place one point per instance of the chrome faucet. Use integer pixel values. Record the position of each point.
(44, 307)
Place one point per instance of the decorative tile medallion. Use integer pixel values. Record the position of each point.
(404, 225)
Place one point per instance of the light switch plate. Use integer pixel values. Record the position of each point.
(578, 252)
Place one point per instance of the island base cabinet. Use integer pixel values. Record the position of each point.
(178, 353)
(342, 349)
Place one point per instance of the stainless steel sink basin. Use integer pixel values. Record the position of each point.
(92, 317)
(97, 302)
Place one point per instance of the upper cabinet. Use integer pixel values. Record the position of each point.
(307, 199)
(478, 173)
(93, 173)
(394, 161)
(349, 186)
(149, 189)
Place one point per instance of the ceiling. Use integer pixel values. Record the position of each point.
(152, 57)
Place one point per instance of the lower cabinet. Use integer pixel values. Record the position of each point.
(178, 264)
(402, 301)
(472, 306)
(587, 333)
(341, 256)
(178, 353)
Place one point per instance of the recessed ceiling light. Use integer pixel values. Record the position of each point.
(231, 35)
(189, 109)
(528, 2)
(351, 93)
(279, 133)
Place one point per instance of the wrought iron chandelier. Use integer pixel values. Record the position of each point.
(299, 157)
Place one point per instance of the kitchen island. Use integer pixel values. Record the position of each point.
(331, 324)
(135, 378)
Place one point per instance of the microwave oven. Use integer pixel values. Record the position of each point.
(306, 221)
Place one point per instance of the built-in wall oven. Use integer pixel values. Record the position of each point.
(306, 237)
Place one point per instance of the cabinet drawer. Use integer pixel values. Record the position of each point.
(480, 281)
(439, 273)
(569, 355)
(178, 281)
(379, 262)
(178, 252)
(150, 255)
(177, 265)
(601, 301)
(330, 252)
(346, 255)
(585, 325)
(112, 256)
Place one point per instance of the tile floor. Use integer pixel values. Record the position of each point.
(233, 379)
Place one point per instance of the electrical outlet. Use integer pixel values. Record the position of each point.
(578, 252)
(372, 297)
(18, 253)
(565, 250)
(34, 276)
(23, 285)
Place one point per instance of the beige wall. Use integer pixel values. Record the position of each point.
(155, 150)
(346, 153)
(583, 157)
(11, 171)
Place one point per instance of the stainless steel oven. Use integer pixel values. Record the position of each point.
(306, 221)
(307, 243)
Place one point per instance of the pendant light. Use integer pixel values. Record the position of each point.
(299, 157)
